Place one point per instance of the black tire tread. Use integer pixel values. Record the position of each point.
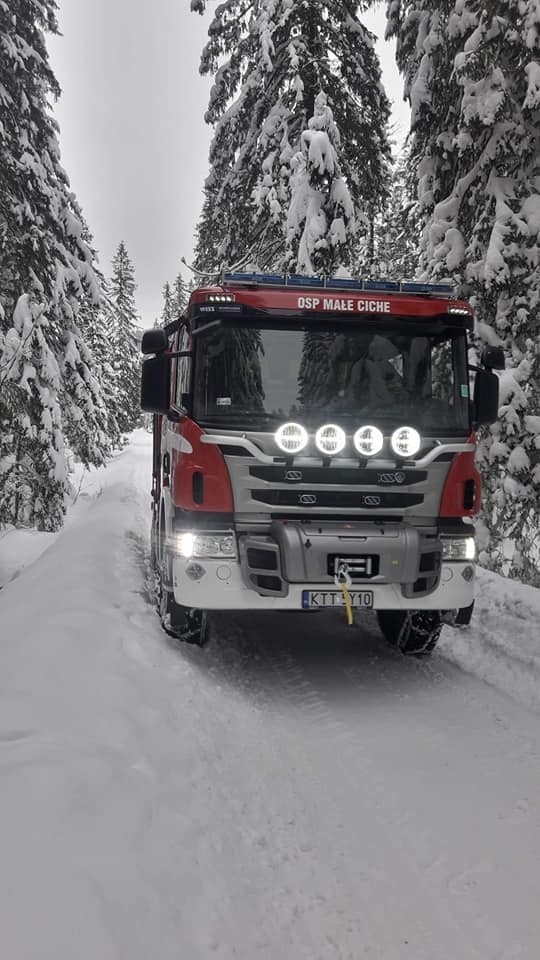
(413, 632)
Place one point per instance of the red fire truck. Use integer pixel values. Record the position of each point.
(314, 447)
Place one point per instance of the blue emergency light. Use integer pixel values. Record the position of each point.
(338, 283)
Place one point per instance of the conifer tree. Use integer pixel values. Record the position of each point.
(288, 77)
(181, 296)
(321, 224)
(473, 79)
(47, 392)
(397, 227)
(124, 340)
(168, 312)
(94, 323)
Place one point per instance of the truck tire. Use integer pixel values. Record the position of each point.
(154, 536)
(182, 623)
(414, 632)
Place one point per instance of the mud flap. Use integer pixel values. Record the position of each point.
(463, 616)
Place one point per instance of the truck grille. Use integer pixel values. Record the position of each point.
(348, 476)
(307, 486)
(314, 499)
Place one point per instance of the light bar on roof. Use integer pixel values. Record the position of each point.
(384, 285)
(414, 286)
(340, 283)
(296, 280)
(344, 283)
(277, 279)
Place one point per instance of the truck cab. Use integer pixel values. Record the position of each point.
(314, 447)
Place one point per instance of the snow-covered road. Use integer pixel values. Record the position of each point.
(296, 790)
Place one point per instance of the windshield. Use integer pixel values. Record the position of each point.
(252, 376)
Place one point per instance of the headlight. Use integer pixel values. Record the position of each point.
(458, 548)
(330, 439)
(406, 442)
(207, 545)
(291, 437)
(368, 441)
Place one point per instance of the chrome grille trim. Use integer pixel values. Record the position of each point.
(440, 448)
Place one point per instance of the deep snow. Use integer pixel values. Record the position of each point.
(297, 790)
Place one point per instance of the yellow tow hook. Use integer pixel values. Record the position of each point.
(343, 580)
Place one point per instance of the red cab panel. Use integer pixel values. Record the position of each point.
(200, 479)
(462, 492)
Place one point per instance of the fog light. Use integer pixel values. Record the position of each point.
(467, 573)
(458, 548)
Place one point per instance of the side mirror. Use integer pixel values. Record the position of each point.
(486, 396)
(492, 358)
(154, 341)
(156, 384)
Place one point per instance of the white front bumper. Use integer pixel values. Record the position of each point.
(222, 588)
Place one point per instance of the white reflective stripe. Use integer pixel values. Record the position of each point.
(175, 441)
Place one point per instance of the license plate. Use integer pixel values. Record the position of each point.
(335, 598)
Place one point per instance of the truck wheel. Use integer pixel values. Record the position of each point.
(182, 623)
(414, 632)
(154, 534)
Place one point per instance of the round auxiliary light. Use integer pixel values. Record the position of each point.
(291, 438)
(406, 441)
(330, 439)
(368, 441)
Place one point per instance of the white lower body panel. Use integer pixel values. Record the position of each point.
(221, 587)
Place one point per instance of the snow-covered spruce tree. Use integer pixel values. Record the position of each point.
(473, 79)
(47, 392)
(397, 228)
(168, 312)
(321, 222)
(180, 295)
(94, 323)
(298, 112)
(123, 327)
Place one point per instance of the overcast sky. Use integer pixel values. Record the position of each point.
(133, 137)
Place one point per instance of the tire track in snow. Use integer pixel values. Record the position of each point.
(402, 679)
(356, 762)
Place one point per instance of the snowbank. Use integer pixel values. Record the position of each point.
(18, 548)
(502, 645)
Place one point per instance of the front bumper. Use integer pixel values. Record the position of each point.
(220, 586)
